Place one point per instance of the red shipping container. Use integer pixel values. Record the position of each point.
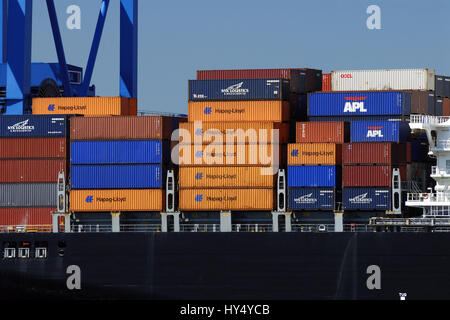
(326, 82)
(322, 132)
(376, 153)
(370, 176)
(446, 107)
(26, 216)
(31, 171)
(32, 148)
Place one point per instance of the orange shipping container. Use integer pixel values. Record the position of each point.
(314, 154)
(322, 132)
(225, 111)
(225, 177)
(241, 132)
(116, 200)
(89, 106)
(227, 199)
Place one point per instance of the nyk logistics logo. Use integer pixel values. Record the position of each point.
(235, 90)
(374, 132)
(361, 199)
(354, 104)
(307, 198)
(21, 127)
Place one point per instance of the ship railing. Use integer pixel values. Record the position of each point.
(436, 171)
(441, 145)
(429, 197)
(417, 118)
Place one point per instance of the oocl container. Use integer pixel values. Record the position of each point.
(383, 79)
(226, 111)
(313, 176)
(311, 198)
(26, 216)
(227, 199)
(27, 171)
(376, 153)
(29, 126)
(20, 195)
(370, 176)
(366, 198)
(379, 131)
(322, 132)
(32, 148)
(314, 154)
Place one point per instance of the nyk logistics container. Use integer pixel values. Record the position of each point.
(227, 199)
(26, 171)
(376, 153)
(26, 216)
(89, 106)
(239, 89)
(322, 132)
(313, 176)
(370, 176)
(30, 126)
(379, 131)
(23, 195)
(367, 198)
(383, 79)
(226, 111)
(359, 103)
(311, 198)
(33, 148)
(314, 154)
(117, 200)
(225, 177)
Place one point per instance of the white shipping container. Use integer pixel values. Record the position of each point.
(383, 79)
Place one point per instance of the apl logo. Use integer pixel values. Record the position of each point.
(307, 198)
(89, 199)
(208, 110)
(294, 153)
(51, 107)
(235, 89)
(361, 199)
(374, 132)
(21, 127)
(199, 198)
(354, 104)
(199, 176)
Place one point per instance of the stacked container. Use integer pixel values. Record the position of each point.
(119, 163)
(33, 151)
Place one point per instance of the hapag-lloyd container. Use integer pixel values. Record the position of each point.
(379, 131)
(117, 200)
(26, 216)
(311, 198)
(21, 195)
(366, 198)
(227, 199)
(314, 154)
(322, 132)
(231, 111)
(31, 171)
(376, 153)
(383, 79)
(117, 177)
(225, 177)
(313, 176)
(33, 148)
(370, 175)
(359, 103)
(31, 126)
(239, 89)
(241, 132)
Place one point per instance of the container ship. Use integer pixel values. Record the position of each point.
(278, 184)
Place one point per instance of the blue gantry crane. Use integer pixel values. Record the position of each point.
(20, 79)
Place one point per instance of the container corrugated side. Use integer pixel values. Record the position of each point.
(30, 126)
(227, 199)
(370, 176)
(26, 216)
(313, 176)
(117, 177)
(326, 82)
(31, 171)
(366, 198)
(117, 200)
(383, 79)
(379, 131)
(225, 177)
(359, 118)
(231, 111)
(376, 153)
(21, 195)
(33, 148)
(311, 198)
(314, 154)
(322, 132)
(423, 102)
(90, 106)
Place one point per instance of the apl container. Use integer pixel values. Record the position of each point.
(322, 132)
(383, 79)
(376, 153)
(117, 177)
(239, 89)
(379, 131)
(359, 103)
(21, 195)
(311, 198)
(313, 176)
(30, 126)
(26, 216)
(33, 148)
(366, 198)
(314, 154)
(31, 171)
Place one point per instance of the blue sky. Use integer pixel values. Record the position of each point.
(176, 38)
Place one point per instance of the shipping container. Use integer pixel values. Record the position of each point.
(366, 198)
(119, 152)
(423, 102)
(123, 128)
(376, 153)
(31, 171)
(225, 177)
(26, 216)
(231, 111)
(442, 86)
(89, 106)
(298, 107)
(314, 154)
(383, 79)
(311, 198)
(370, 175)
(359, 103)
(439, 107)
(446, 107)
(240, 132)
(29, 126)
(227, 199)
(118, 177)
(322, 132)
(302, 80)
(359, 118)
(379, 131)
(239, 89)
(313, 176)
(137, 200)
(23, 195)
(326, 82)
(33, 148)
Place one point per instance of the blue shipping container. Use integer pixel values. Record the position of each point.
(359, 103)
(379, 131)
(314, 176)
(33, 126)
(119, 152)
(117, 177)
(311, 198)
(240, 89)
(366, 198)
